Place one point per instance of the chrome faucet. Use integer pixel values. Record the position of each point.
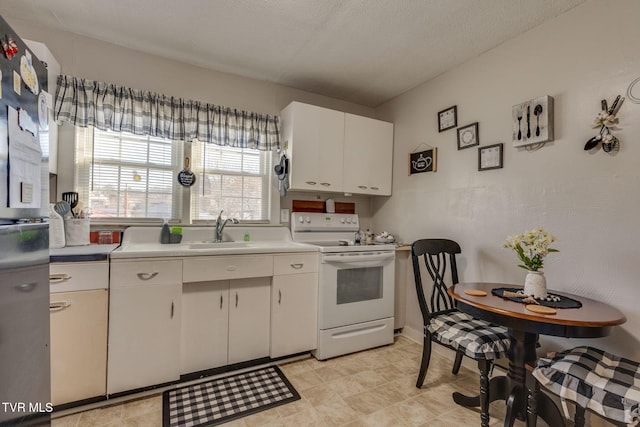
(220, 224)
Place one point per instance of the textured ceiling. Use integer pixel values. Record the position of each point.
(363, 51)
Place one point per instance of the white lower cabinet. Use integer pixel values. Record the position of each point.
(78, 345)
(144, 324)
(172, 317)
(78, 314)
(249, 319)
(294, 305)
(205, 325)
(224, 322)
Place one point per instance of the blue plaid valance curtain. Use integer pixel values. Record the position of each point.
(110, 107)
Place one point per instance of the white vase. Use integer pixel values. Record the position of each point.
(535, 284)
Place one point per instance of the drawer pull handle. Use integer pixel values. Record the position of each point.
(311, 182)
(236, 299)
(220, 302)
(231, 268)
(375, 188)
(147, 276)
(59, 278)
(297, 266)
(362, 187)
(172, 308)
(279, 296)
(59, 306)
(326, 184)
(26, 287)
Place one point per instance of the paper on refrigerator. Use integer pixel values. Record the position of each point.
(25, 155)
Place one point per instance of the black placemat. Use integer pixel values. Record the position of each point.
(556, 301)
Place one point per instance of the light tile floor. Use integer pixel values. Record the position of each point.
(369, 388)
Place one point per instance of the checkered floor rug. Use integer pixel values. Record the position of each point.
(225, 399)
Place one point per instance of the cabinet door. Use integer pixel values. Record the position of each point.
(144, 336)
(78, 345)
(294, 302)
(315, 136)
(205, 325)
(249, 319)
(368, 156)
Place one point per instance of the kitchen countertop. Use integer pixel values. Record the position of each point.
(151, 250)
(143, 242)
(81, 253)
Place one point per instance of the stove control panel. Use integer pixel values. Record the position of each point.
(314, 221)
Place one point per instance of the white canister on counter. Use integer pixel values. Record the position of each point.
(330, 206)
(56, 229)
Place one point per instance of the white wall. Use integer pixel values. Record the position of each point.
(589, 200)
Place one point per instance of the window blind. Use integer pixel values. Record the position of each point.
(127, 176)
(233, 179)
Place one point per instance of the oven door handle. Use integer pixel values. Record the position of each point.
(356, 257)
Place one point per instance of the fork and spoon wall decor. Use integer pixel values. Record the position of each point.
(533, 121)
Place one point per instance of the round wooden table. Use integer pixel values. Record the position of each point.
(594, 319)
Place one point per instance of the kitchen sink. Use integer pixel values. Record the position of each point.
(218, 245)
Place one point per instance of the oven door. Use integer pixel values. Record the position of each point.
(355, 287)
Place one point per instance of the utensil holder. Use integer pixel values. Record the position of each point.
(76, 231)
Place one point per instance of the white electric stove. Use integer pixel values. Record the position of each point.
(356, 288)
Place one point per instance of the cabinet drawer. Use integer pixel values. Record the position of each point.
(157, 272)
(78, 276)
(227, 267)
(295, 264)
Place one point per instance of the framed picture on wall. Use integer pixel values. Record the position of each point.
(447, 118)
(468, 136)
(423, 161)
(490, 157)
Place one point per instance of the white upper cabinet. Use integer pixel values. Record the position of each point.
(368, 156)
(314, 136)
(332, 151)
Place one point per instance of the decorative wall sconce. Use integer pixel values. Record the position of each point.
(606, 120)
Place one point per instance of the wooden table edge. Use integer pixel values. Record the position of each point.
(476, 301)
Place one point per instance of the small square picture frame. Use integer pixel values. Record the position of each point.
(468, 136)
(448, 118)
(490, 157)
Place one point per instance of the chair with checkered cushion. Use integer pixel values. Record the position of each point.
(593, 379)
(444, 324)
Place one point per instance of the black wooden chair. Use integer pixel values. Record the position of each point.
(594, 380)
(444, 324)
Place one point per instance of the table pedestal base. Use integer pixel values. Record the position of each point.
(519, 389)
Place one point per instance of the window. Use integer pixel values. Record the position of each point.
(121, 175)
(233, 179)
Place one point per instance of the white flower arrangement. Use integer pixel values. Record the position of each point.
(532, 247)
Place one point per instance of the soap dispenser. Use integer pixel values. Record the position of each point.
(165, 234)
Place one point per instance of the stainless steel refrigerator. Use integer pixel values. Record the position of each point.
(24, 236)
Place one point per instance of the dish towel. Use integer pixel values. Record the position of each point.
(282, 170)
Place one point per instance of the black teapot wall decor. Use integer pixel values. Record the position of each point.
(423, 161)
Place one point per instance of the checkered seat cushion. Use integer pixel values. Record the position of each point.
(477, 338)
(594, 379)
